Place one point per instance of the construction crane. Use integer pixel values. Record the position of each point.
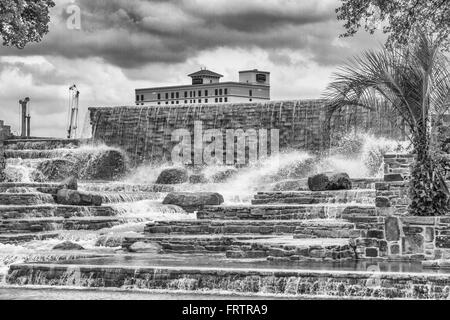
(72, 127)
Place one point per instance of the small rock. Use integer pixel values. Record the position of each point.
(143, 247)
(67, 245)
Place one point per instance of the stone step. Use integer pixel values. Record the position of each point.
(236, 280)
(327, 229)
(361, 196)
(26, 237)
(12, 226)
(109, 186)
(25, 199)
(40, 144)
(284, 211)
(26, 186)
(250, 246)
(50, 211)
(204, 226)
(117, 197)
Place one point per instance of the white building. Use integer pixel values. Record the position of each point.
(206, 88)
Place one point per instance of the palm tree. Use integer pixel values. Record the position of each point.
(415, 81)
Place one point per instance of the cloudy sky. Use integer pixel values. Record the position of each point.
(125, 44)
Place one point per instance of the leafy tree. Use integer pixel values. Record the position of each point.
(24, 21)
(415, 81)
(398, 18)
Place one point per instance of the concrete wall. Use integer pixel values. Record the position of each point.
(145, 132)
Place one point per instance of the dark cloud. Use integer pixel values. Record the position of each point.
(133, 33)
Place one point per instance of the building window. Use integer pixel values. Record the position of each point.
(185, 94)
(137, 98)
(178, 95)
(190, 101)
(190, 94)
(185, 101)
(206, 93)
(220, 92)
(226, 91)
(250, 93)
(167, 102)
(172, 102)
(167, 95)
(159, 102)
(193, 94)
(217, 92)
(216, 99)
(199, 93)
(220, 100)
(142, 97)
(250, 100)
(178, 102)
(199, 100)
(159, 96)
(206, 100)
(226, 99)
(172, 95)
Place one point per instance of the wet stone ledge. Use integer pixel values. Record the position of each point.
(25, 199)
(50, 211)
(282, 212)
(283, 282)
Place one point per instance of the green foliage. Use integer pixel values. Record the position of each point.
(415, 81)
(24, 21)
(398, 18)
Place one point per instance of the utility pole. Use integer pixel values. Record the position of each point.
(25, 118)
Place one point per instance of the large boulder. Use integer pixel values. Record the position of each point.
(54, 170)
(77, 198)
(224, 175)
(193, 201)
(329, 181)
(198, 178)
(68, 246)
(339, 181)
(2, 162)
(104, 165)
(173, 176)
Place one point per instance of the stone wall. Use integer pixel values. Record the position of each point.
(5, 132)
(404, 238)
(145, 131)
(392, 195)
(392, 234)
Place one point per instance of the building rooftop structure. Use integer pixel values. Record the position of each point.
(206, 88)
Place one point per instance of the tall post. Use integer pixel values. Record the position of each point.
(25, 130)
(28, 126)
